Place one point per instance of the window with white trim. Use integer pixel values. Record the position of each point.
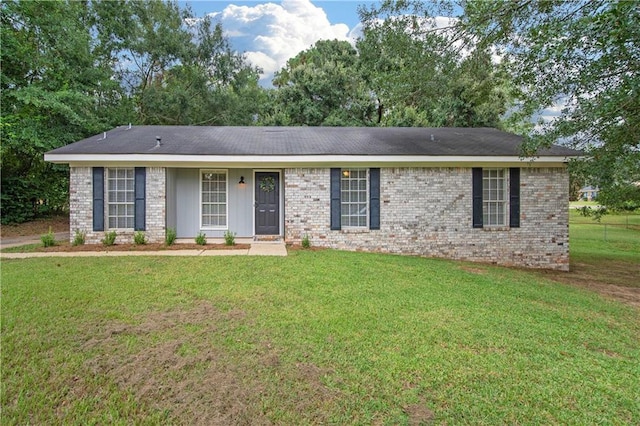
(353, 198)
(494, 197)
(120, 198)
(213, 199)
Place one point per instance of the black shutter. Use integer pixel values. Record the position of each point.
(98, 198)
(139, 206)
(514, 197)
(374, 198)
(477, 197)
(335, 199)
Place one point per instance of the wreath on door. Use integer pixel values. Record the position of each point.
(267, 184)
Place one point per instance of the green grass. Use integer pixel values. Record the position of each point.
(573, 204)
(27, 248)
(614, 237)
(315, 337)
(623, 220)
(606, 252)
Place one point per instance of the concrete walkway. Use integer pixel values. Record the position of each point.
(258, 248)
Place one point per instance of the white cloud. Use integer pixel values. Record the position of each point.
(269, 34)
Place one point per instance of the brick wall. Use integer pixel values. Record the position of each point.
(81, 206)
(428, 211)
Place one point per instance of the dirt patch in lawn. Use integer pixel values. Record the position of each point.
(35, 227)
(613, 279)
(178, 362)
(419, 414)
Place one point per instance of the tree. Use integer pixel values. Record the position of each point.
(321, 86)
(421, 76)
(210, 85)
(582, 57)
(54, 91)
(72, 69)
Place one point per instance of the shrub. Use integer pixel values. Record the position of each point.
(170, 236)
(201, 239)
(79, 237)
(139, 238)
(229, 238)
(305, 241)
(48, 239)
(109, 238)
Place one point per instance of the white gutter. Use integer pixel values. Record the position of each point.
(249, 161)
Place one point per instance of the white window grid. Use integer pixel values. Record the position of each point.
(120, 198)
(213, 196)
(353, 198)
(494, 197)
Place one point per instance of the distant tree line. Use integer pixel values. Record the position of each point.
(73, 69)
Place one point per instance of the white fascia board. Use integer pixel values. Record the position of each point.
(280, 161)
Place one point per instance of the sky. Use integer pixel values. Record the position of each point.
(271, 32)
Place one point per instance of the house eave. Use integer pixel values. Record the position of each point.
(289, 161)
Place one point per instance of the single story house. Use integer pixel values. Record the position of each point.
(459, 193)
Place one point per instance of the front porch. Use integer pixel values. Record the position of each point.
(213, 201)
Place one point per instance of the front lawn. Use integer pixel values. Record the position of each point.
(315, 337)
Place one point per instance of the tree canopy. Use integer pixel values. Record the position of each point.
(571, 70)
(584, 59)
(321, 86)
(72, 69)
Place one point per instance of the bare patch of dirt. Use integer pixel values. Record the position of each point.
(171, 369)
(171, 362)
(35, 227)
(613, 279)
(419, 414)
(473, 270)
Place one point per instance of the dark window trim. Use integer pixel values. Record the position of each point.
(374, 198)
(514, 197)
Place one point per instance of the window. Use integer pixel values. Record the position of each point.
(213, 193)
(353, 197)
(120, 198)
(494, 197)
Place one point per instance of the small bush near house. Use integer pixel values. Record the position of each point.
(139, 238)
(79, 238)
(170, 236)
(109, 238)
(229, 238)
(201, 239)
(305, 241)
(48, 239)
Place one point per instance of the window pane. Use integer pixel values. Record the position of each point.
(353, 185)
(120, 197)
(494, 196)
(214, 199)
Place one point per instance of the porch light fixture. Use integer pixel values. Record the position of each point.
(241, 180)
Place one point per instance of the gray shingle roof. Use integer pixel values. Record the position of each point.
(312, 141)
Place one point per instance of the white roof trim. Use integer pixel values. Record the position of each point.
(169, 160)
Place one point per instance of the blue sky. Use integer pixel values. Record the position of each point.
(344, 12)
(271, 32)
